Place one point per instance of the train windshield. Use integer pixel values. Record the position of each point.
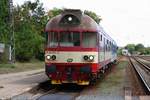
(69, 39)
(89, 39)
(72, 39)
(53, 39)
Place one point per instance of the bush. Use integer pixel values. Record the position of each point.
(40, 56)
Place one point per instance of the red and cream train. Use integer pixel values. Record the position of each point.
(77, 49)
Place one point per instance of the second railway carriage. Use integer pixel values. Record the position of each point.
(77, 48)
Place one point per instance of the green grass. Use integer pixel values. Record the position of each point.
(7, 66)
(19, 67)
(115, 80)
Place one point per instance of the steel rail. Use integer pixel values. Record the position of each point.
(53, 91)
(140, 75)
(147, 61)
(144, 65)
(144, 57)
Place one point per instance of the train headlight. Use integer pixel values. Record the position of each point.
(53, 57)
(91, 58)
(69, 18)
(48, 57)
(85, 57)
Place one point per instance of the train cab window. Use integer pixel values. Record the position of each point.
(69, 39)
(53, 39)
(89, 39)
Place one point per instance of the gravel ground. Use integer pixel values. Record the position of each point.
(111, 87)
(133, 82)
(118, 83)
(14, 84)
(144, 61)
(145, 57)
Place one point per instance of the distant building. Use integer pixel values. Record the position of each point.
(125, 52)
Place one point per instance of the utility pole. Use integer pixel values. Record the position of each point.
(11, 31)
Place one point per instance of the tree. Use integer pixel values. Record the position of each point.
(4, 21)
(139, 47)
(147, 50)
(29, 20)
(93, 15)
(4, 28)
(54, 12)
(119, 51)
(130, 47)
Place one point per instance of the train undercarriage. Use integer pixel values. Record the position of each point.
(80, 75)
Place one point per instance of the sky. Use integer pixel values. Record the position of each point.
(126, 21)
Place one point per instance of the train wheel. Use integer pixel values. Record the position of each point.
(99, 75)
(93, 82)
(115, 62)
(103, 70)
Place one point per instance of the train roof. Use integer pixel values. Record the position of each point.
(83, 23)
(86, 23)
(106, 35)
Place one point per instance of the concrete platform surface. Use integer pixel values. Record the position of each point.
(17, 83)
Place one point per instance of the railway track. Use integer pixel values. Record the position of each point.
(144, 61)
(143, 72)
(45, 91)
(147, 58)
(64, 92)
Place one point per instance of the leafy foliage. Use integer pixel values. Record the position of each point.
(29, 24)
(93, 15)
(130, 47)
(29, 20)
(54, 12)
(4, 21)
(139, 49)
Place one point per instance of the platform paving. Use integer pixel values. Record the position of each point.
(17, 83)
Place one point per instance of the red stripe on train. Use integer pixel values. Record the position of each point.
(71, 49)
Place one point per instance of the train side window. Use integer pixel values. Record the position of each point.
(107, 41)
(89, 39)
(101, 38)
(105, 44)
(109, 45)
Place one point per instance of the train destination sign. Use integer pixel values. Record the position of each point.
(2, 47)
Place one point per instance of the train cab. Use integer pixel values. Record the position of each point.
(72, 48)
